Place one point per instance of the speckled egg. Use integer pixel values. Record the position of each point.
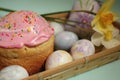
(13, 72)
(82, 48)
(58, 58)
(65, 40)
(57, 27)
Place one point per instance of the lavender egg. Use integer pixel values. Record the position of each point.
(58, 58)
(65, 40)
(13, 72)
(82, 48)
(83, 20)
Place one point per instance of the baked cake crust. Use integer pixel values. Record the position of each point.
(31, 58)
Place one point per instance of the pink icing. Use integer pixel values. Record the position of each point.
(23, 28)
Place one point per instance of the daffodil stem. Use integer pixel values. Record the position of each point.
(63, 21)
(7, 10)
(68, 11)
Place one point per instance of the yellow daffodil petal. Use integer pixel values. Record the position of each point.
(105, 31)
(104, 9)
(108, 35)
(108, 32)
(95, 20)
(106, 6)
(97, 28)
(115, 16)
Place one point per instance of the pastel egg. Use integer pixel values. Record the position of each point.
(57, 27)
(83, 26)
(65, 40)
(58, 58)
(82, 48)
(13, 72)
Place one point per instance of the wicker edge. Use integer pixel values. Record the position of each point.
(79, 66)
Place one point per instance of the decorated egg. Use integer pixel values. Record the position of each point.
(58, 58)
(82, 48)
(65, 40)
(82, 20)
(57, 27)
(13, 72)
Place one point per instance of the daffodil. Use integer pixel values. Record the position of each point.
(106, 34)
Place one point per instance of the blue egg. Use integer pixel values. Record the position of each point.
(64, 40)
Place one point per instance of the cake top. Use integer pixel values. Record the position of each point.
(23, 28)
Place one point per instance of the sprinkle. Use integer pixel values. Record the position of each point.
(15, 32)
(9, 27)
(20, 35)
(7, 35)
(2, 34)
(22, 30)
(14, 24)
(29, 29)
(13, 35)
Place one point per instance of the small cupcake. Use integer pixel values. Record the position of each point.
(26, 39)
(82, 27)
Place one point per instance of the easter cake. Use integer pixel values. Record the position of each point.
(26, 39)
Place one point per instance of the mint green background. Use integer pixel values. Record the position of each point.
(110, 71)
(44, 6)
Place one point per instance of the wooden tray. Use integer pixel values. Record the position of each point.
(79, 66)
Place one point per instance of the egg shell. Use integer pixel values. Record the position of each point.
(81, 29)
(58, 58)
(13, 72)
(65, 40)
(57, 27)
(82, 48)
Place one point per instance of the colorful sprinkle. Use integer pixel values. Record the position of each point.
(29, 29)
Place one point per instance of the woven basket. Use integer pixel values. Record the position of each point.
(68, 70)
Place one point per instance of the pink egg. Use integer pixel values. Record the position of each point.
(82, 48)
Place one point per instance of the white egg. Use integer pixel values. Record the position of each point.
(57, 27)
(13, 72)
(82, 48)
(58, 58)
(65, 40)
